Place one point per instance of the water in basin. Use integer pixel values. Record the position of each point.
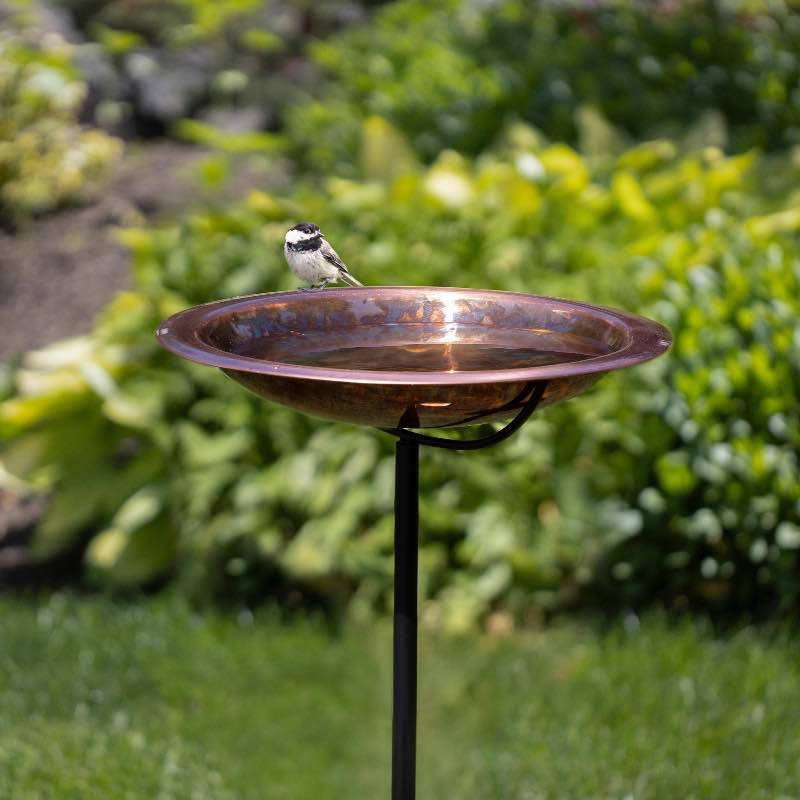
(320, 350)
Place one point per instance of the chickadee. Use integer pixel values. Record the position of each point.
(312, 259)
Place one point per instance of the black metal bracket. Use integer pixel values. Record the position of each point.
(534, 390)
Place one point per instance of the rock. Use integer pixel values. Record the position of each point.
(169, 85)
(236, 120)
(51, 20)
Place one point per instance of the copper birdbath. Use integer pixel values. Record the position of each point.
(406, 357)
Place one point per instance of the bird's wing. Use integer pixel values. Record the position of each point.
(331, 256)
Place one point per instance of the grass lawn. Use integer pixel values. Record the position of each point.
(99, 700)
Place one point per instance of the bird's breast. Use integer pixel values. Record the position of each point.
(310, 265)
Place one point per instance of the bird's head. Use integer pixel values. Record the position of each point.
(302, 232)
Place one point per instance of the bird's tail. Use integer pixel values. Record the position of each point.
(349, 279)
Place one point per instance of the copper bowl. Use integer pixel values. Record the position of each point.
(410, 356)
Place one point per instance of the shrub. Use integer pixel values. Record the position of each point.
(687, 462)
(452, 74)
(235, 63)
(710, 513)
(46, 158)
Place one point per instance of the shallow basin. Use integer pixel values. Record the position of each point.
(411, 356)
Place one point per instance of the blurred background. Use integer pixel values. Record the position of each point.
(196, 583)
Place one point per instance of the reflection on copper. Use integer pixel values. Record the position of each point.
(466, 354)
(448, 355)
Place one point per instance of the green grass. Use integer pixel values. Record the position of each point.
(99, 700)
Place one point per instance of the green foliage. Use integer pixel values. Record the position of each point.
(452, 74)
(46, 157)
(716, 519)
(193, 130)
(669, 462)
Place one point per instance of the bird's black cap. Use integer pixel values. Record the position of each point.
(306, 227)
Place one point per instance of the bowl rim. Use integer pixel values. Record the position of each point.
(644, 339)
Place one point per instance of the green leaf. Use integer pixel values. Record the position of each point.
(130, 558)
(202, 133)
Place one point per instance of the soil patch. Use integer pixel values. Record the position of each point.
(59, 271)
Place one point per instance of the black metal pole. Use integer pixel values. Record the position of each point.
(404, 699)
(406, 542)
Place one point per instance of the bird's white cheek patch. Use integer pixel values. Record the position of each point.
(293, 237)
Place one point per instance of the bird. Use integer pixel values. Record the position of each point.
(312, 259)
